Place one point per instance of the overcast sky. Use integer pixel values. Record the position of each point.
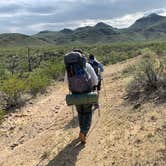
(32, 16)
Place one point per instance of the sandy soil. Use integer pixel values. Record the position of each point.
(45, 132)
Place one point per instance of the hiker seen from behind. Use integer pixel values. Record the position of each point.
(81, 79)
(98, 68)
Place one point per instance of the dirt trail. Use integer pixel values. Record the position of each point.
(45, 133)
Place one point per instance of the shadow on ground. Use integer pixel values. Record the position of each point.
(68, 156)
(72, 124)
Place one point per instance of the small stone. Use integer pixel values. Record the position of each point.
(153, 118)
(125, 97)
(14, 145)
(12, 128)
(137, 106)
(20, 128)
(57, 107)
(138, 141)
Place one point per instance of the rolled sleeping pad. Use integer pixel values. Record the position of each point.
(80, 99)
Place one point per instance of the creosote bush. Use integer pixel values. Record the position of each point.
(37, 82)
(53, 69)
(150, 78)
(12, 88)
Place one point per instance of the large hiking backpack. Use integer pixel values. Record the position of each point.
(79, 79)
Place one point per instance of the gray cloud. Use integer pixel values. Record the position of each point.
(31, 16)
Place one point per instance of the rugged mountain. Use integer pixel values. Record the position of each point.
(148, 28)
(151, 27)
(146, 22)
(100, 32)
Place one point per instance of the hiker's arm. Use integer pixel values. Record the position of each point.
(92, 73)
(101, 67)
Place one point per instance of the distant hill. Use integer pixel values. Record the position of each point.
(151, 27)
(16, 39)
(146, 22)
(101, 32)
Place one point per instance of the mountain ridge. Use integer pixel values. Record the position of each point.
(151, 27)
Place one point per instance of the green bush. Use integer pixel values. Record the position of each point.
(3, 102)
(34, 68)
(130, 69)
(53, 69)
(2, 71)
(13, 88)
(149, 79)
(37, 82)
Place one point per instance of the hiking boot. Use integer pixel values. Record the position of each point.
(82, 138)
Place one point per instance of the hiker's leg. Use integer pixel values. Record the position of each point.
(86, 118)
(80, 110)
(99, 86)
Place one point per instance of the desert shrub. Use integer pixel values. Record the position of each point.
(130, 69)
(150, 78)
(2, 71)
(53, 69)
(162, 87)
(13, 88)
(148, 53)
(37, 82)
(31, 70)
(3, 102)
(2, 113)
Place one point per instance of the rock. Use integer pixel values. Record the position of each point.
(57, 107)
(12, 128)
(138, 141)
(153, 118)
(14, 145)
(125, 97)
(10, 114)
(20, 128)
(136, 106)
